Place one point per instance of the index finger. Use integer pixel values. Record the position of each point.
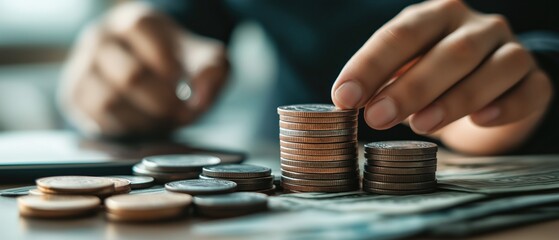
(396, 43)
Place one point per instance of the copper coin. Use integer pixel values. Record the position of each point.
(147, 202)
(398, 192)
(320, 164)
(179, 162)
(400, 186)
(392, 170)
(137, 182)
(121, 185)
(49, 206)
(315, 176)
(201, 186)
(335, 139)
(406, 164)
(244, 181)
(317, 170)
(400, 158)
(75, 184)
(290, 156)
(317, 119)
(399, 178)
(300, 188)
(320, 183)
(318, 133)
(236, 171)
(317, 146)
(317, 126)
(145, 216)
(316, 152)
(163, 177)
(401, 148)
(315, 110)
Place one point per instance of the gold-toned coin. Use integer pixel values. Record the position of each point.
(318, 120)
(144, 215)
(122, 185)
(317, 126)
(290, 156)
(319, 133)
(75, 184)
(335, 139)
(315, 110)
(321, 152)
(320, 164)
(319, 146)
(146, 202)
(49, 206)
(317, 170)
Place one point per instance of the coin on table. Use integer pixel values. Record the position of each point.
(75, 184)
(137, 182)
(231, 204)
(400, 158)
(244, 181)
(121, 185)
(179, 162)
(318, 133)
(318, 152)
(400, 186)
(405, 164)
(392, 170)
(320, 164)
(410, 178)
(147, 207)
(341, 157)
(315, 110)
(162, 177)
(236, 171)
(202, 186)
(334, 139)
(319, 146)
(315, 176)
(319, 183)
(50, 206)
(401, 148)
(301, 188)
(318, 120)
(317, 126)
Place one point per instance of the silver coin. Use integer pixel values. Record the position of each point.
(179, 162)
(244, 181)
(162, 177)
(202, 186)
(401, 148)
(236, 171)
(137, 182)
(232, 200)
(315, 109)
(318, 133)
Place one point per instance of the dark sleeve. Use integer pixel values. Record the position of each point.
(210, 18)
(544, 45)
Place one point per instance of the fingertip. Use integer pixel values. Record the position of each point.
(347, 95)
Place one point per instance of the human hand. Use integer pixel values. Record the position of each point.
(122, 76)
(439, 61)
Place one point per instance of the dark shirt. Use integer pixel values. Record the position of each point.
(314, 39)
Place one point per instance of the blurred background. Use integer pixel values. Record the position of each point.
(36, 36)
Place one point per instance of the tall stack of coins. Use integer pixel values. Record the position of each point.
(249, 178)
(318, 144)
(400, 167)
(168, 168)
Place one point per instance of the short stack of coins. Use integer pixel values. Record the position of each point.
(168, 168)
(318, 144)
(249, 178)
(400, 167)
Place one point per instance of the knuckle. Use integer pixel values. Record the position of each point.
(497, 21)
(518, 55)
(464, 48)
(452, 6)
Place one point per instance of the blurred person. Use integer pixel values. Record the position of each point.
(478, 76)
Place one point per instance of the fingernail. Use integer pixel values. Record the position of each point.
(427, 120)
(348, 94)
(488, 114)
(382, 113)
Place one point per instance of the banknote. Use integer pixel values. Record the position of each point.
(361, 201)
(325, 224)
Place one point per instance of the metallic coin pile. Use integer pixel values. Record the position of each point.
(249, 178)
(318, 144)
(147, 207)
(230, 205)
(168, 168)
(81, 185)
(400, 167)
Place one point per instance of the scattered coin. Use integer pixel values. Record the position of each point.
(137, 182)
(57, 206)
(163, 177)
(403, 164)
(230, 205)
(121, 185)
(236, 171)
(334, 139)
(16, 192)
(179, 162)
(317, 126)
(245, 181)
(147, 207)
(202, 186)
(318, 120)
(315, 110)
(401, 148)
(75, 185)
